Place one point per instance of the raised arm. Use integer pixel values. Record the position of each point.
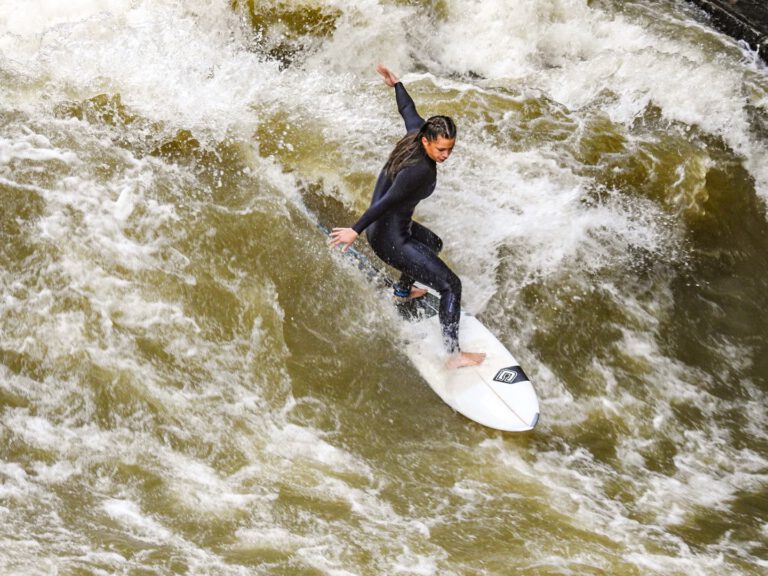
(405, 104)
(403, 182)
(407, 109)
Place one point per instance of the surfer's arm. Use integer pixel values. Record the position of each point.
(375, 211)
(407, 109)
(405, 104)
(408, 179)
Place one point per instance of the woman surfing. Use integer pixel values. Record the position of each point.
(408, 177)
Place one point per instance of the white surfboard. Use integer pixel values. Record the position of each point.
(497, 393)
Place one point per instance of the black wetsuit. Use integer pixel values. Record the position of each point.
(407, 245)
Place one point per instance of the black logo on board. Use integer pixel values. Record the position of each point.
(510, 375)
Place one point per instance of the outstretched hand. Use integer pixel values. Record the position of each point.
(343, 236)
(389, 78)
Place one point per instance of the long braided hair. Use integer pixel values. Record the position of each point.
(404, 153)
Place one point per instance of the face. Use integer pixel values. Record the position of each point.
(438, 149)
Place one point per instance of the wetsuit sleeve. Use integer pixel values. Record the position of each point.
(407, 180)
(407, 109)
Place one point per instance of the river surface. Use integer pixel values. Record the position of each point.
(191, 382)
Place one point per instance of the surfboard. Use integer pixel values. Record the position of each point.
(496, 393)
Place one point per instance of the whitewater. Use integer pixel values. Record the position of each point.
(191, 382)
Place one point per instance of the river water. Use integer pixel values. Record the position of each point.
(192, 383)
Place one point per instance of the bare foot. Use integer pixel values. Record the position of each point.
(415, 293)
(463, 359)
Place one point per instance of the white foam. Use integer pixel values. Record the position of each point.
(271, 537)
(577, 54)
(55, 473)
(295, 442)
(38, 16)
(175, 63)
(411, 563)
(129, 514)
(33, 147)
(15, 481)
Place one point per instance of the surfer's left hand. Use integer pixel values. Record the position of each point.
(344, 236)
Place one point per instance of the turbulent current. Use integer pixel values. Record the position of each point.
(191, 382)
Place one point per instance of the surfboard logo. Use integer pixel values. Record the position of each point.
(510, 375)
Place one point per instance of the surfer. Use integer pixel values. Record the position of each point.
(409, 176)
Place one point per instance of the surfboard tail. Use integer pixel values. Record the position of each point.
(496, 393)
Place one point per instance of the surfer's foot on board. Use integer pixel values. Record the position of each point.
(415, 293)
(463, 359)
